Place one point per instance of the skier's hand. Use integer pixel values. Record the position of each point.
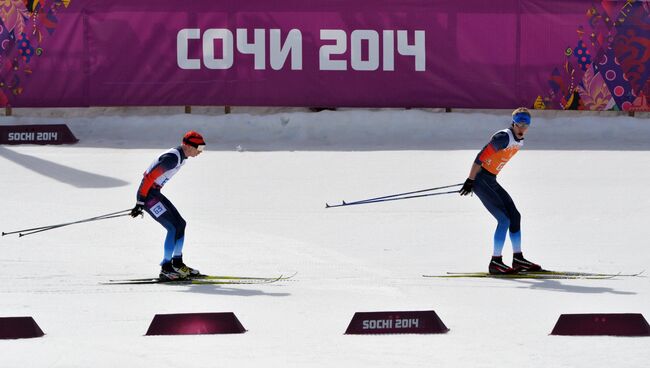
(137, 210)
(467, 187)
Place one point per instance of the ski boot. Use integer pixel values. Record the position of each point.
(497, 267)
(183, 269)
(168, 273)
(521, 264)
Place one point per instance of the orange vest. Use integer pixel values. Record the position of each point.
(500, 158)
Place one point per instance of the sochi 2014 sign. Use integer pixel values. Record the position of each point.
(36, 134)
(404, 322)
(357, 42)
(362, 53)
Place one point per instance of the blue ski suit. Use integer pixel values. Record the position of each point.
(158, 206)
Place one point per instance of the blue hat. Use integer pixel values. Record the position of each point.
(521, 117)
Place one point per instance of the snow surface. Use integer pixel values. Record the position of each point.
(254, 203)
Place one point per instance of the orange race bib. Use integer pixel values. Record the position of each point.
(499, 159)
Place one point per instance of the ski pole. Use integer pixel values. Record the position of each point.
(20, 235)
(344, 203)
(43, 228)
(46, 228)
(65, 224)
(391, 199)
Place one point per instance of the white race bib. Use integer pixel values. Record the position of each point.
(158, 209)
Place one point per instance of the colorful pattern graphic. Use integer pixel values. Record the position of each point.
(581, 52)
(22, 27)
(594, 92)
(613, 57)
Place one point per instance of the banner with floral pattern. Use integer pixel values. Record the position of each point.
(24, 24)
(546, 54)
(609, 66)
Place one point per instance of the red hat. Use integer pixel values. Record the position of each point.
(193, 139)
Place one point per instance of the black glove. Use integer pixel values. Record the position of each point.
(467, 187)
(137, 210)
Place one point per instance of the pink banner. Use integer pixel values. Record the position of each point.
(560, 54)
(195, 324)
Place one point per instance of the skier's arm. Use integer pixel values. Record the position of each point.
(474, 170)
(468, 186)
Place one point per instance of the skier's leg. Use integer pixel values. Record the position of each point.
(177, 222)
(179, 225)
(518, 261)
(486, 192)
(513, 215)
(170, 241)
(515, 239)
(158, 207)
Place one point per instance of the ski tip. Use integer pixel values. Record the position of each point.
(327, 205)
(20, 235)
(3, 233)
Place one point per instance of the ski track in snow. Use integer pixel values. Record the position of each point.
(260, 211)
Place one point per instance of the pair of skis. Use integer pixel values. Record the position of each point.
(544, 274)
(203, 280)
(243, 280)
